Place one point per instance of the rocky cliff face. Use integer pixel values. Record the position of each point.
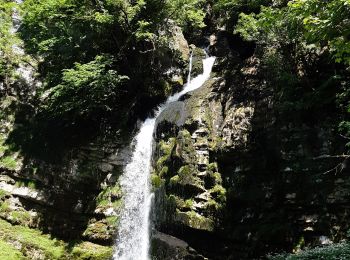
(77, 199)
(236, 177)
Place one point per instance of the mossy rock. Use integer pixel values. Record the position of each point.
(101, 230)
(186, 183)
(90, 251)
(9, 252)
(9, 162)
(33, 244)
(18, 242)
(194, 220)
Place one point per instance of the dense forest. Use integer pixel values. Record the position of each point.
(254, 164)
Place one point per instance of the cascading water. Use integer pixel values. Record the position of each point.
(133, 234)
(190, 69)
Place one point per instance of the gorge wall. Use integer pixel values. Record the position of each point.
(237, 177)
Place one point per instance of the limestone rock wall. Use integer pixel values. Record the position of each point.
(237, 178)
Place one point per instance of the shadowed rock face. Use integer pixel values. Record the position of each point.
(237, 174)
(167, 247)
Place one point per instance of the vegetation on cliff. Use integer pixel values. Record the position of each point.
(91, 57)
(299, 39)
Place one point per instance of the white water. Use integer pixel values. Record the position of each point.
(133, 234)
(190, 69)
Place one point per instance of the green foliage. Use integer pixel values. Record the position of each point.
(86, 51)
(231, 9)
(86, 89)
(325, 24)
(187, 13)
(297, 40)
(313, 22)
(69, 31)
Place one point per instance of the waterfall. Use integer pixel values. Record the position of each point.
(133, 234)
(190, 68)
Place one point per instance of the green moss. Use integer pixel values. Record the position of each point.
(117, 204)
(29, 184)
(8, 252)
(164, 171)
(4, 207)
(109, 196)
(3, 194)
(167, 147)
(216, 143)
(166, 87)
(2, 148)
(32, 240)
(217, 177)
(213, 167)
(174, 180)
(209, 119)
(194, 220)
(97, 230)
(180, 203)
(186, 176)
(89, 251)
(188, 203)
(171, 200)
(20, 217)
(185, 170)
(112, 220)
(8, 162)
(161, 170)
(103, 203)
(218, 192)
(156, 181)
(212, 206)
